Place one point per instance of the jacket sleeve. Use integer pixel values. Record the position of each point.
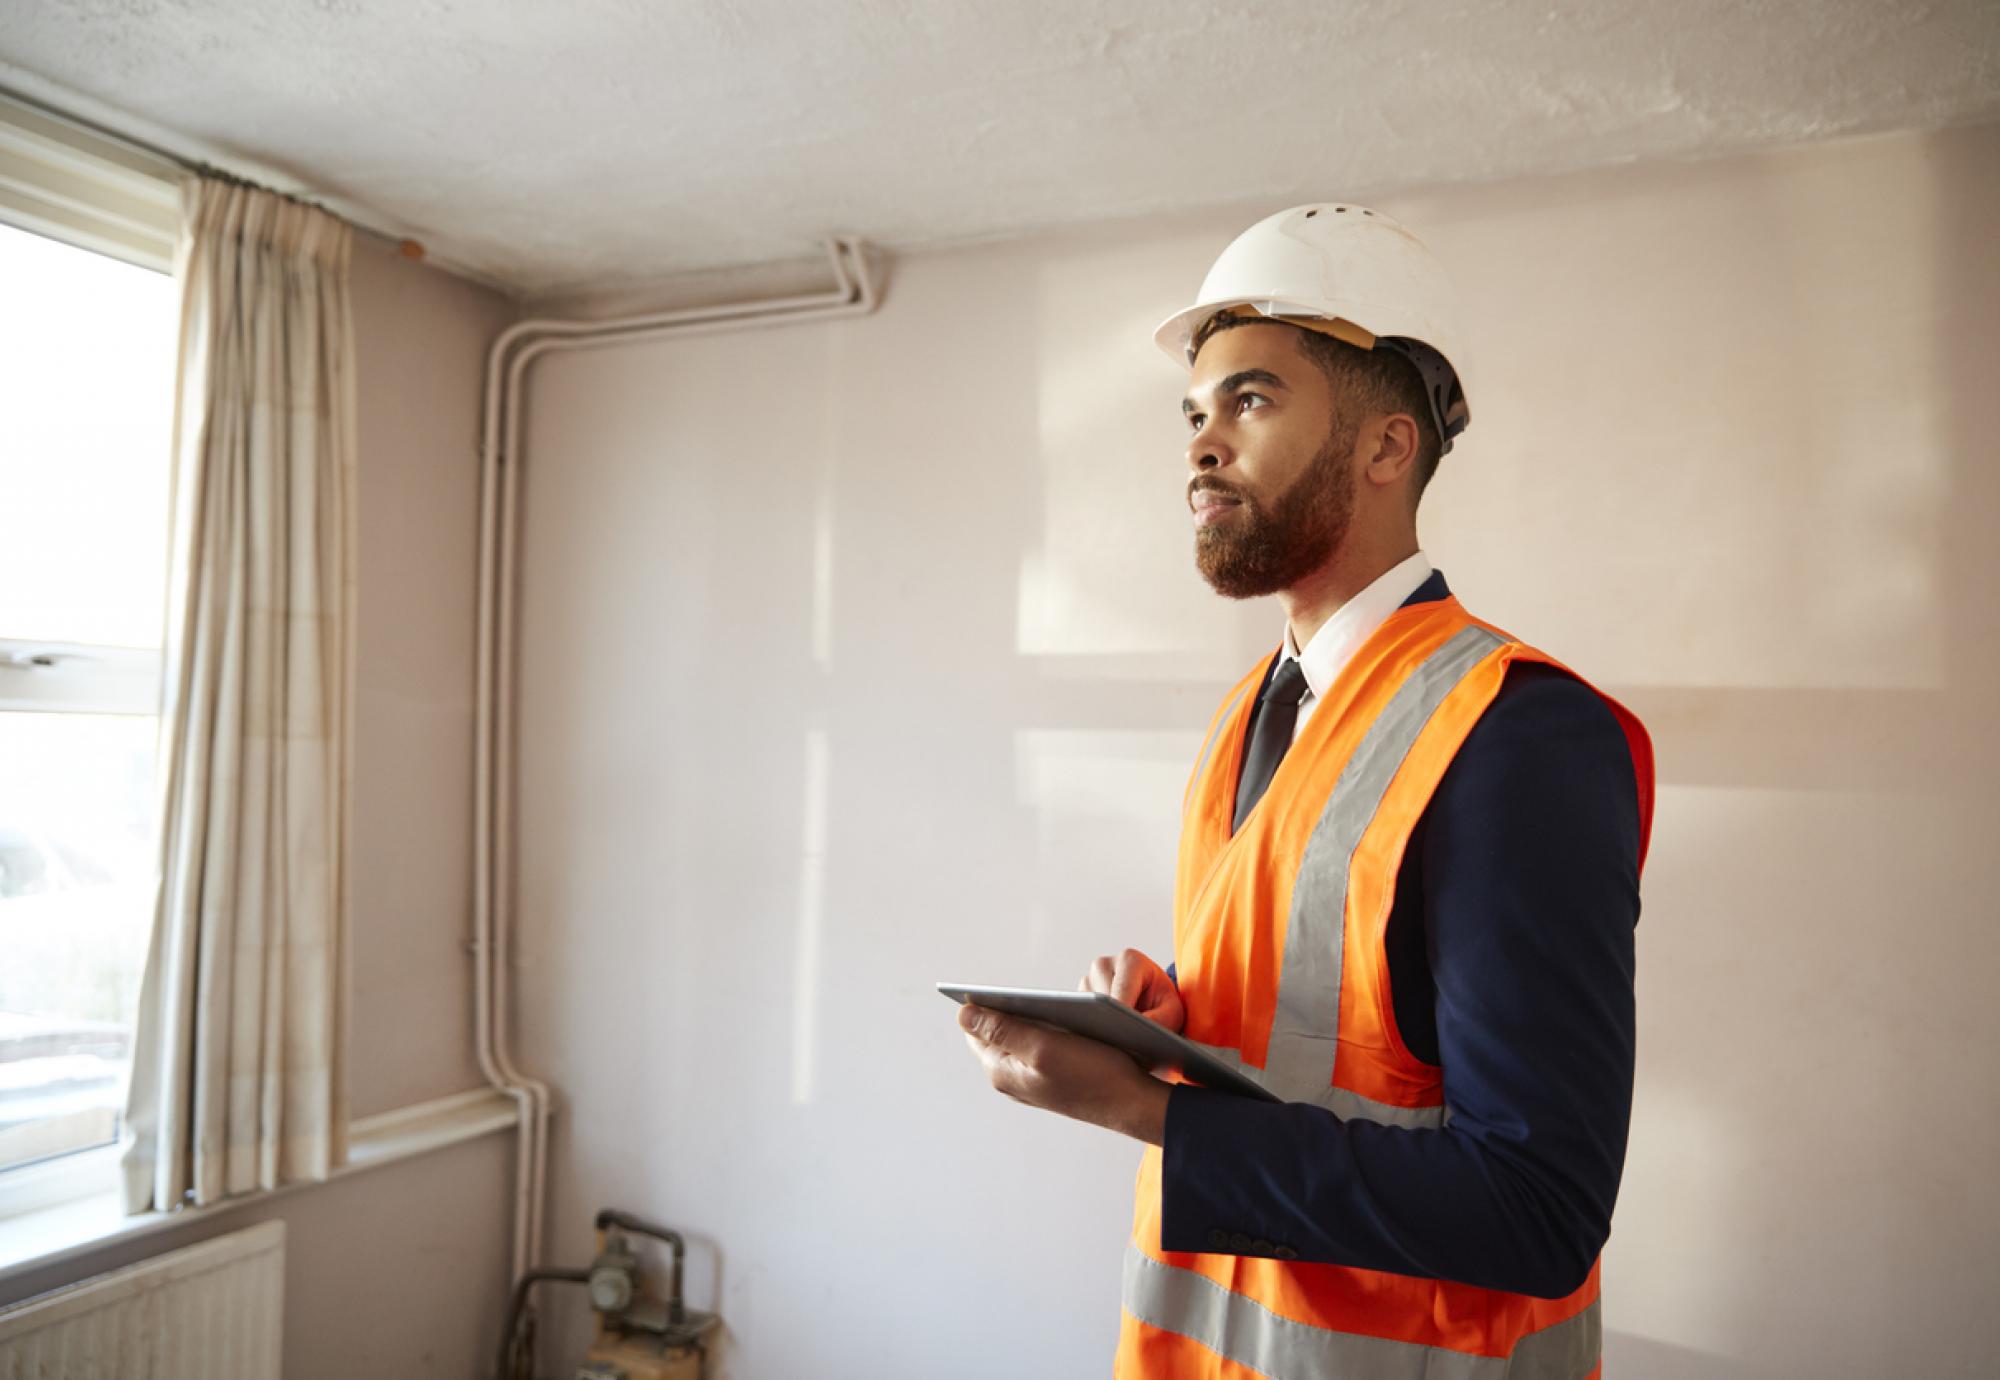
(1529, 858)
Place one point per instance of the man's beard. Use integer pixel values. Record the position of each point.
(1256, 552)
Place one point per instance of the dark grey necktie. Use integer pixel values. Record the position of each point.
(1270, 735)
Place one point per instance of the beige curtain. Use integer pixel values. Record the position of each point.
(237, 1080)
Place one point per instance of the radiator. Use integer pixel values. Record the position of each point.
(209, 1312)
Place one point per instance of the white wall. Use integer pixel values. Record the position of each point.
(861, 655)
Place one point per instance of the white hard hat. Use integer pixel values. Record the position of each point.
(1351, 273)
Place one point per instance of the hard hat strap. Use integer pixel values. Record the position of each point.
(1449, 412)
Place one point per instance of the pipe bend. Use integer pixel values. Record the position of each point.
(507, 358)
(614, 1217)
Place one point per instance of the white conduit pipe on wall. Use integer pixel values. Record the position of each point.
(507, 361)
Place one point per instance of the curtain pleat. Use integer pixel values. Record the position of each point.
(237, 1079)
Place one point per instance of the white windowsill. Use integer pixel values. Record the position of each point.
(53, 1234)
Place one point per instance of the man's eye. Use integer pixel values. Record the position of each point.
(1243, 400)
(1194, 421)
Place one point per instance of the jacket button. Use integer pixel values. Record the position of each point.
(1285, 1253)
(1263, 1247)
(1219, 1239)
(1239, 1243)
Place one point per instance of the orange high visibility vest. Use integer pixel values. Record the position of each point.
(1278, 938)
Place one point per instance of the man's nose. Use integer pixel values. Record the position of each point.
(1205, 452)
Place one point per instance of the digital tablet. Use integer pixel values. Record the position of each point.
(1096, 1016)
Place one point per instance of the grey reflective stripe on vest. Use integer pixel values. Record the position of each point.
(1298, 1065)
(1221, 723)
(1241, 1330)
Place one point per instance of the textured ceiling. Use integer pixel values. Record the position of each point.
(596, 144)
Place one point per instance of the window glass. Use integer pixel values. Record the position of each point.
(86, 408)
(86, 382)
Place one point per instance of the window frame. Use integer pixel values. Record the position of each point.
(78, 678)
(65, 182)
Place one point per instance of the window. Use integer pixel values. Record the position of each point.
(86, 396)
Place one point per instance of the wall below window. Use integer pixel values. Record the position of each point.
(862, 655)
(400, 1271)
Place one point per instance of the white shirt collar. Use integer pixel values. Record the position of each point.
(1327, 655)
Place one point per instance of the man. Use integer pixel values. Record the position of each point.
(1406, 891)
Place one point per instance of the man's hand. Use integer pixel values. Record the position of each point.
(1061, 1072)
(1141, 984)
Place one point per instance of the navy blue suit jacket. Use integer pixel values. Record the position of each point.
(1511, 963)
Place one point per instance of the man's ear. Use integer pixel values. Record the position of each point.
(1390, 443)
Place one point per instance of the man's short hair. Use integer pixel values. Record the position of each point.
(1364, 382)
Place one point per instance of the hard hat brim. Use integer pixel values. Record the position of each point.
(1175, 334)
